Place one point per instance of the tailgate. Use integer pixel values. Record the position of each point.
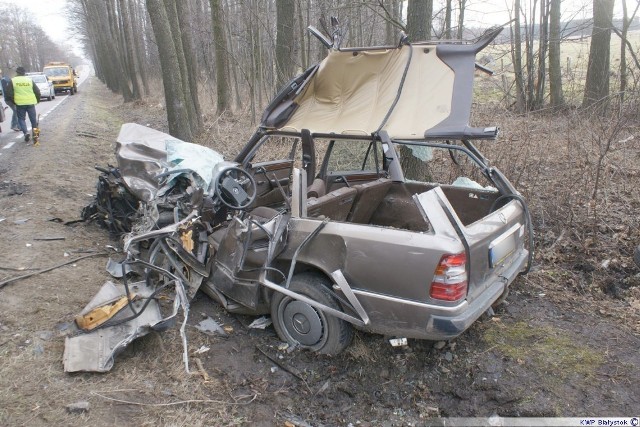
(495, 244)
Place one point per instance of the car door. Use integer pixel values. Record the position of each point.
(271, 165)
(351, 162)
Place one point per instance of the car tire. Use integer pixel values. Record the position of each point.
(71, 91)
(318, 331)
(49, 98)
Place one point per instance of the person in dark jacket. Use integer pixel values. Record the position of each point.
(25, 94)
(6, 82)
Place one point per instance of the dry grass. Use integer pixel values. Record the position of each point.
(578, 172)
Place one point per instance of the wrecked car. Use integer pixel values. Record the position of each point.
(360, 202)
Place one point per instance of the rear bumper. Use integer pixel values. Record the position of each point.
(429, 321)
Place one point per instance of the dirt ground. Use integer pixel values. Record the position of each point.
(549, 351)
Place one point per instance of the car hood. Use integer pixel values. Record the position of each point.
(414, 91)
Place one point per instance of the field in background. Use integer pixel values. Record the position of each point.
(575, 55)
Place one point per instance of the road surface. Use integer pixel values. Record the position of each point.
(10, 140)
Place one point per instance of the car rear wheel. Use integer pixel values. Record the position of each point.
(298, 323)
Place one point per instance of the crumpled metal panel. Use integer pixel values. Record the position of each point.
(143, 153)
(95, 351)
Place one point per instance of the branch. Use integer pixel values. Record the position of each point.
(630, 48)
(15, 279)
(387, 16)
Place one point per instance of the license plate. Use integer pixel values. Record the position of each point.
(502, 247)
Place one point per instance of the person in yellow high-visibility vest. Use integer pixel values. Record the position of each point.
(25, 94)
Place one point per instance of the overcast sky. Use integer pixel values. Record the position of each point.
(49, 14)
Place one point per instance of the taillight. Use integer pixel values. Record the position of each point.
(450, 278)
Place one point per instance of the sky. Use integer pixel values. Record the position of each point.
(49, 14)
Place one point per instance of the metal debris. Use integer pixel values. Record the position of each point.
(210, 327)
(261, 323)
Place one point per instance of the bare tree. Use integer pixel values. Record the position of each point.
(626, 23)
(177, 114)
(462, 5)
(188, 64)
(220, 48)
(597, 83)
(555, 65)
(447, 19)
(419, 14)
(516, 51)
(133, 73)
(285, 10)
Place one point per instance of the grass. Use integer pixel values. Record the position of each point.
(551, 352)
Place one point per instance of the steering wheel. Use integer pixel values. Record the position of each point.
(235, 188)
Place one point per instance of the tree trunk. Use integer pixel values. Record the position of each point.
(462, 6)
(117, 53)
(223, 104)
(447, 20)
(302, 36)
(176, 105)
(543, 47)
(597, 84)
(285, 10)
(555, 65)
(529, 67)
(128, 40)
(190, 64)
(626, 22)
(138, 43)
(517, 58)
(184, 78)
(419, 19)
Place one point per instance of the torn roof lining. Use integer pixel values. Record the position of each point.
(372, 92)
(434, 102)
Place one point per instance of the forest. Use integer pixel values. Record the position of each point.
(242, 52)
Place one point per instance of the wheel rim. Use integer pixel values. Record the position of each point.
(302, 323)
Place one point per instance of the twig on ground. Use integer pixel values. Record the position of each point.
(180, 402)
(16, 269)
(87, 134)
(15, 279)
(200, 366)
(284, 367)
(281, 365)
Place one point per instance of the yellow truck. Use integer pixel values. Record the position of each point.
(63, 77)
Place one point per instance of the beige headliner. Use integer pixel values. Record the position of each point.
(352, 93)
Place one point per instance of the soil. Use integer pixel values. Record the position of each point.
(550, 350)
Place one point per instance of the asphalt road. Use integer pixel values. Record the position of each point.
(11, 140)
